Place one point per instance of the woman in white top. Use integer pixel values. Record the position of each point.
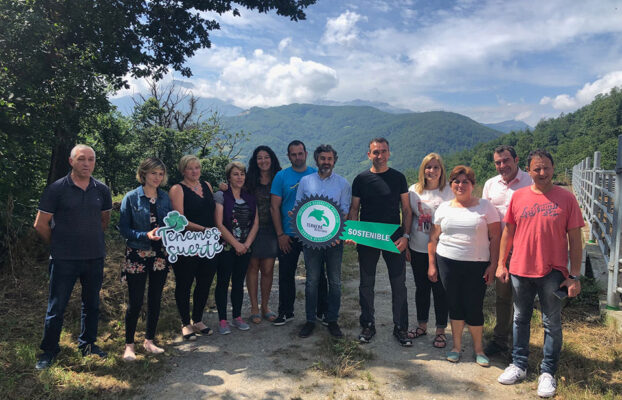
(425, 197)
(463, 249)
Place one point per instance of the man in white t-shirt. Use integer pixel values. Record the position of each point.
(498, 190)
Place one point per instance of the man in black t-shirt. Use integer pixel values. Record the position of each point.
(379, 193)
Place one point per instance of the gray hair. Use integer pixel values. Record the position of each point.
(77, 147)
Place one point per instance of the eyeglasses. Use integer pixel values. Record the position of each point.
(458, 182)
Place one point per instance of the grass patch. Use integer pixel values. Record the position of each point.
(341, 357)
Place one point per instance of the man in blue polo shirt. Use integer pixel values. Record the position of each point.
(324, 183)
(283, 198)
(73, 213)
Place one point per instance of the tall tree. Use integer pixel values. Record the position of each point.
(58, 56)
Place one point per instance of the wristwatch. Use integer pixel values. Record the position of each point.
(575, 278)
(406, 235)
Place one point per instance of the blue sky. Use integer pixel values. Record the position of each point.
(489, 60)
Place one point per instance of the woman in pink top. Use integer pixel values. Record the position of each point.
(463, 250)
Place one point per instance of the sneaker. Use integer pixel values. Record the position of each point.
(223, 327)
(334, 330)
(45, 361)
(92, 348)
(282, 319)
(322, 318)
(493, 348)
(240, 324)
(307, 329)
(547, 386)
(367, 333)
(512, 375)
(402, 337)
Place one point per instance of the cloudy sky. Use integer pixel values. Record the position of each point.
(489, 60)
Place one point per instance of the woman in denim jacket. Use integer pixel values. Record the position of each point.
(142, 212)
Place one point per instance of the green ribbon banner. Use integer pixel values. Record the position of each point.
(372, 234)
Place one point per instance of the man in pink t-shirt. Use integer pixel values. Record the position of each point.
(498, 190)
(542, 222)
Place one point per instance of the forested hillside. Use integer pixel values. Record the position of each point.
(570, 138)
(349, 129)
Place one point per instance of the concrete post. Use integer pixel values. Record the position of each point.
(613, 299)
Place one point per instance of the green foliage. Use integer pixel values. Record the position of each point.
(569, 138)
(350, 128)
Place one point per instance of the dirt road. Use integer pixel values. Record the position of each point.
(271, 362)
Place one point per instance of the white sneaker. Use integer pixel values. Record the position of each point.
(547, 386)
(511, 375)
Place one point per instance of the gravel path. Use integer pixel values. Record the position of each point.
(271, 362)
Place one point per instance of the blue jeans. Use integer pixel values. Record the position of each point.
(314, 261)
(524, 291)
(63, 276)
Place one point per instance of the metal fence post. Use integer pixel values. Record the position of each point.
(593, 193)
(613, 299)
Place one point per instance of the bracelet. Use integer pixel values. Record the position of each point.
(281, 234)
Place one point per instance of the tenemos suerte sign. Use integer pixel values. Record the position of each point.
(177, 243)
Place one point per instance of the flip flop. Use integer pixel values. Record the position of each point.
(270, 316)
(255, 318)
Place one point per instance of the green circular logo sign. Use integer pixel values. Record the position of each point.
(317, 221)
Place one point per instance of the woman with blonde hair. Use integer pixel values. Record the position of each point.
(425, 197)
(193, 198)
(142, 212)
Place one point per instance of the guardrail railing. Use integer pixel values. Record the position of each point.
(599, 193)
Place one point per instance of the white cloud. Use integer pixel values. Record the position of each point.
(283, 44)
(342, 30)
(586, 94)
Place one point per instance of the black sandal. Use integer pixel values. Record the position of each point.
(190, 336)
(440, 341)
(417, 333)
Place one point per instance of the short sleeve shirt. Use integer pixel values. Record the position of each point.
(423, 207)
(499, 192)
(380, 195)
(334, 187)
(77, 232)
(542, 222)
(285, 185)
(464, 231)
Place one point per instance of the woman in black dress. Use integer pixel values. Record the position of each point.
(262, 167)
(193, 198)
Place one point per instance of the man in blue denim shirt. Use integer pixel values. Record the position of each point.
(73, 213)
(335, 187)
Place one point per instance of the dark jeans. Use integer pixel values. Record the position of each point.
(315, 261)
(504, 310)
(465, 288)
(187, 269)
(287, 281)
(136, 290)
(63, 276)
(231, 268)
(420, 263)
(525, 290)
(396, 266)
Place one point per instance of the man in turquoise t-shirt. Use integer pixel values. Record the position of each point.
(283, 199)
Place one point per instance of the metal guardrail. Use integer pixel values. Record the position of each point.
(599, 193)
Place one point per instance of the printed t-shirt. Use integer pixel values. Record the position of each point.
(285, 185)
(464, 231)
(423, 206)
(542, 221)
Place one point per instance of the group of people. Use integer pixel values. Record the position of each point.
(519, 235)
